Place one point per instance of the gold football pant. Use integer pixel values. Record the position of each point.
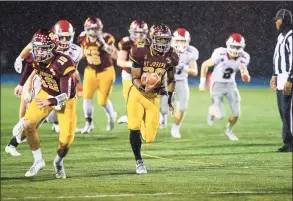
(102, 82)
(143, 114)
(66, 116)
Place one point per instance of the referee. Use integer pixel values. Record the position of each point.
(283, 75)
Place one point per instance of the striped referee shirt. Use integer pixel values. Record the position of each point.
(283, 55)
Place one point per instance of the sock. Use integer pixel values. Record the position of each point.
(13, 142)
(109, 109)
(52, 118)
(18, 128)
(165, 117)
(229, 126)
(135, 143)
(59, 160)
(88, 108)
(37, 154)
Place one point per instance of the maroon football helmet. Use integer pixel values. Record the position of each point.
(138, 30)
(93, 26)
(43, 42)
(161, 38)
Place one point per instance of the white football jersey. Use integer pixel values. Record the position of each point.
(191, 53)
(225, 69)
(75, 52)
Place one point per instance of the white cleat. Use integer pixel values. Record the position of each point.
(210, 120)
(86, 129)
(60, 172)
(122, 120)
(231, 135)
(175, 131)
(140, 167)
(111, 122)
(18, 128)
(10, 149)
(36, 167)
(55, 128)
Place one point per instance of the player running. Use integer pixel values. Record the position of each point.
(227, 62)
(99, 75)
(187, 66)
(151, 61)
(137, 33)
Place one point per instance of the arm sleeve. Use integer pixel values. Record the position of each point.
(289, 47)
(67, 85)
(28, 69)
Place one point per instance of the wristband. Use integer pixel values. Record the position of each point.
(202, 80)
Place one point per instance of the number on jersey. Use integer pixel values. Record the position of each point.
(227, 73)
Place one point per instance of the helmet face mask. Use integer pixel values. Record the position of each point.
(161, 44)
(235, 45)
(93, 27)
(43, 45)
(180, 45)
(181, 39)
(161, 38)
(42, 52)
(64, 33)
(138, 30)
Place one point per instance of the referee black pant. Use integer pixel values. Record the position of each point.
(286, 112)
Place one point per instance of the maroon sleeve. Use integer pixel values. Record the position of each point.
(67, 85)
(28, 69)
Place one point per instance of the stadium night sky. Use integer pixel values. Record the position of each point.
(209, 23)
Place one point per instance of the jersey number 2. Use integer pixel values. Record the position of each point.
(227, 73)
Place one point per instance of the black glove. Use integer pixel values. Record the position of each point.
(141, 88)
(161, 91)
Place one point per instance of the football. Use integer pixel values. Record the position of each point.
(150, 78)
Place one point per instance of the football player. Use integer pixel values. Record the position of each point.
(187, 66)
(137, 33)
(56, 71)
(99, 75)
(158, 57)
(64, 34)
(226, 61)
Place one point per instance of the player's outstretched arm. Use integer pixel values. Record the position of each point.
(23, 54)
(203, 72)
(193, 69)
(244, 73)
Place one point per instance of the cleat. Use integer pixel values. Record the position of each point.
(60, 172)
(140, 167)
(55, 128)
(111, 122)
(231, 135)
(36, 167)
(210, 120)
(122, 120)
(288, 147)
(175, 131)
(86, 129)
(10, 149)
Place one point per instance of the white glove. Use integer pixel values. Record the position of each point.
(28, 97)
(18, 91)
(108, 48)
(202, 84)
(18, 65)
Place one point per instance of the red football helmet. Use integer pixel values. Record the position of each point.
(138, 30)
(235, 44)
(180, 39)
(93, 26)
(64, 34)
(161, 38)
(43, 42)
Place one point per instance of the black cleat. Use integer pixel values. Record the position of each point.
(286, 147)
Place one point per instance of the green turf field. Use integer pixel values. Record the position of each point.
(203, 165)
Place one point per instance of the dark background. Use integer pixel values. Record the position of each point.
(209, 23)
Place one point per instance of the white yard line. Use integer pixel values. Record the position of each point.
(94, 196)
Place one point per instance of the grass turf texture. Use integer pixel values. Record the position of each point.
(203, 165)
